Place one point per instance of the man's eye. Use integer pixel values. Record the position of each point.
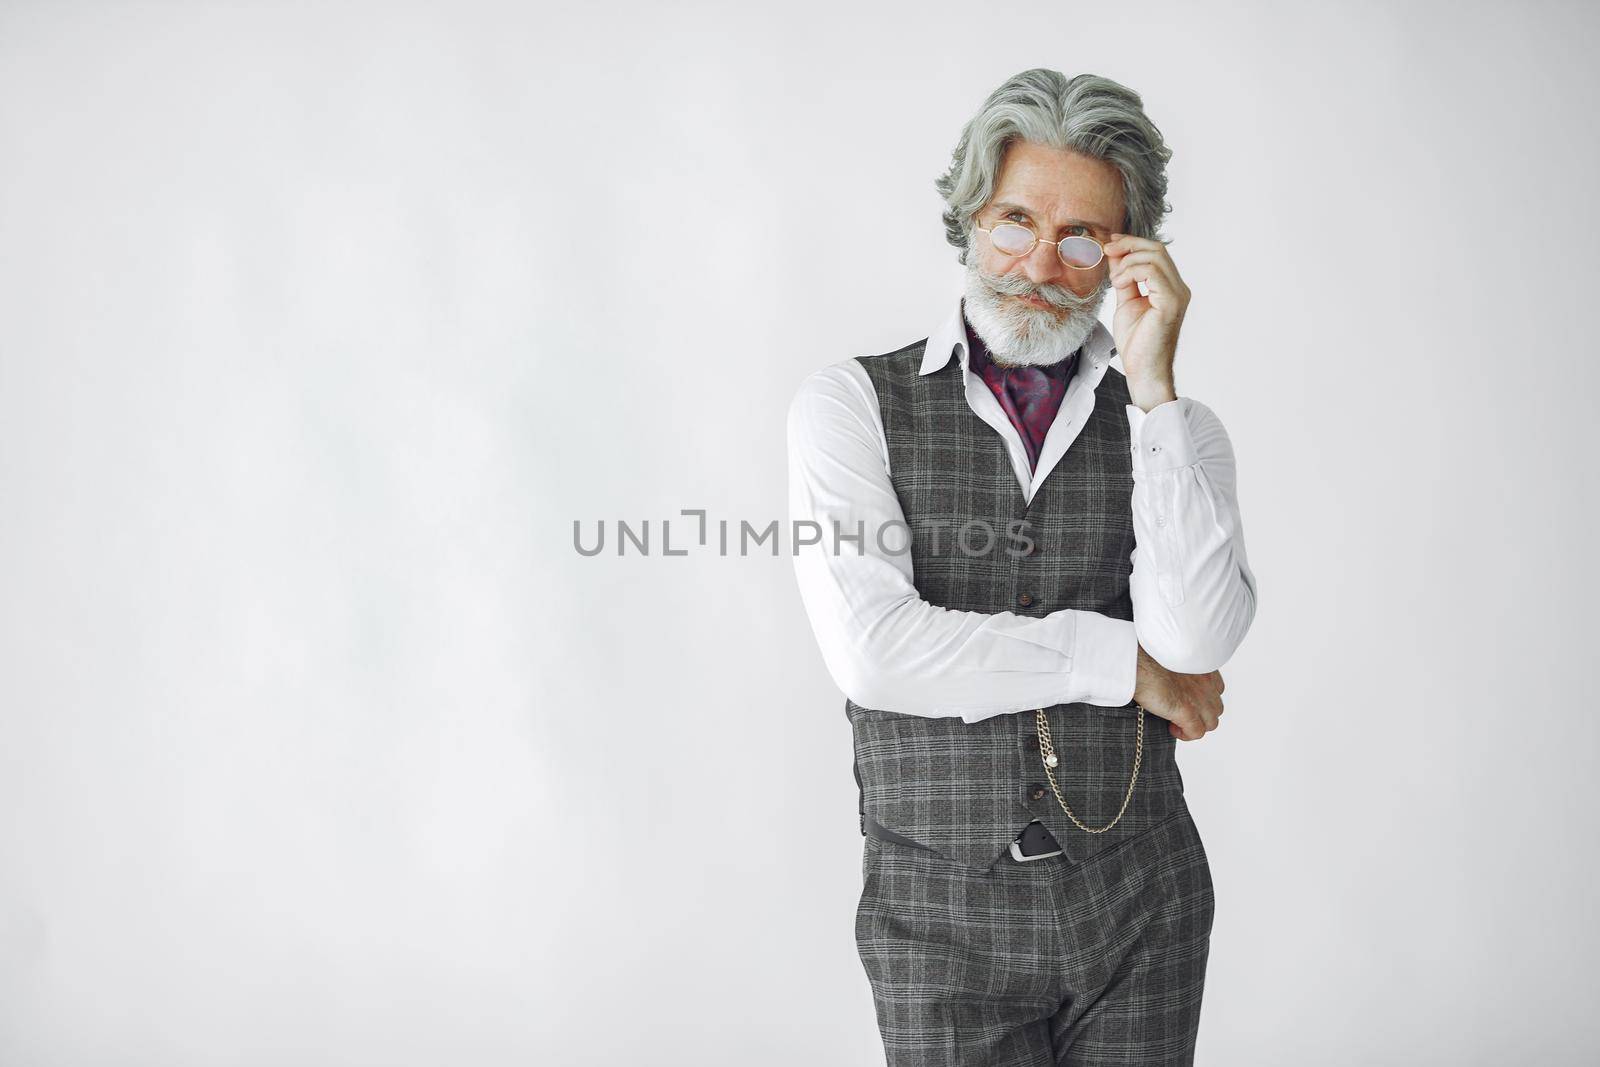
(1083, 231)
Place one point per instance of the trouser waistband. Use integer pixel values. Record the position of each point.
(1033, 843)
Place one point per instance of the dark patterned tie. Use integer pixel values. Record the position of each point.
(1029, 396)
(1029, 389)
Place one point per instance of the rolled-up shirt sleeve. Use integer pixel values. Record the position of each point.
(885, 646)
(1194, 594)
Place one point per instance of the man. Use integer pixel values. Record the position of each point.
(1031, 570)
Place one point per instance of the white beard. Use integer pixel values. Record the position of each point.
(1019, 334)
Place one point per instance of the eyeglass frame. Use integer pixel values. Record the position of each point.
(1036, 239)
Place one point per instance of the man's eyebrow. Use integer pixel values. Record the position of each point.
(1006, 207)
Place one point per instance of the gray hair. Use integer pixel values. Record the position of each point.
(1089, 114)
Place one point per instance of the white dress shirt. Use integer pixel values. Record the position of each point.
(1193, 593)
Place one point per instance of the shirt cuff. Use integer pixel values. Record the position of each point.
(1160, 437)
(1105, 660)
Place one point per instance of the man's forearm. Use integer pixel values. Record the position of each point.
(1193, 590)
(909, 656)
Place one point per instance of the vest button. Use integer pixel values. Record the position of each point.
(1038, 793)
(1032, 741)
(1024, 600)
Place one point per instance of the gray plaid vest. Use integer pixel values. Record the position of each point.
(965, 790)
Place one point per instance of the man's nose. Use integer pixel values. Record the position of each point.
(1043, 265)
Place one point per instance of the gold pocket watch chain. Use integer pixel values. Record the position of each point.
(1047, 752)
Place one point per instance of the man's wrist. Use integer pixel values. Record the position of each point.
(1146, 394)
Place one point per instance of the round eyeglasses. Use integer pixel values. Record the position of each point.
(1015, 239)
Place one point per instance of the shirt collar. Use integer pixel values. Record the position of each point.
(950, 339)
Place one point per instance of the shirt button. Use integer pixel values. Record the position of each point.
(1038, 793)
(1024, 600)
(1155, 448)
(1161, 520)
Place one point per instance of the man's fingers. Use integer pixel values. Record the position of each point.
(1154, 270)
(1126, 290)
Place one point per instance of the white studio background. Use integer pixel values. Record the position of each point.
(321, 324)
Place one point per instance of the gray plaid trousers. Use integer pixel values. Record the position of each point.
(1041, 963)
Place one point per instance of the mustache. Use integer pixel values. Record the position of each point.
(1057, 296)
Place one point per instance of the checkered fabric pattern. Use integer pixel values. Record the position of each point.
(965, 790)
(1043, 963)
